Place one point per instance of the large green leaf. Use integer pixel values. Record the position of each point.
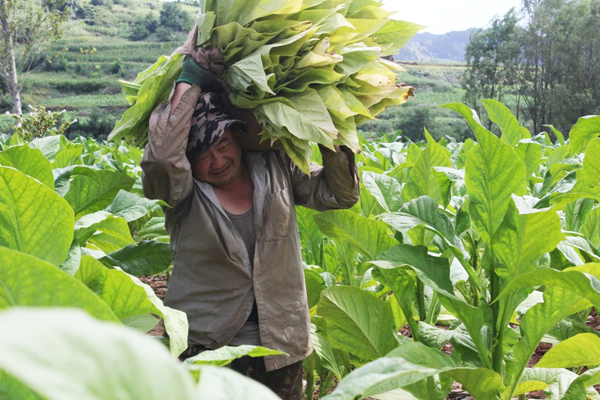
(369, 236)
(131, 206)
(560, 138)
(310, 234)
(409, 364)
(359, 381)
(403, 285)
(423, 180)
(30, 162)
(424, 211)
(581, 280)
(66, 355)
(104, 231)
(357, 322)
(49, 145)
(576, 213)
(13, 389)
(558, 382)
(224, 384)
(30, 214)
(227, 354)
(155, 229)
(248, 11)
(70, 155)
(591, 163)
(586, 380)
(558, 303)
(419, 354)
(493, 173)
(512, 131)
(314, 286)
(147, 257)
(578, 351)
(128, 297)
(435, 273)
(531, 155)
(395, 34)
(481, 383)
(328, 357)
(87, 196)
(524, 236)
(591, 226)
(385, 189)
(583, 132)
(29, 281)
(156, 84)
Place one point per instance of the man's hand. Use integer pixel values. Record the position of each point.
(194, 74)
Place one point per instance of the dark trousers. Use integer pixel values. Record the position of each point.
(286, 382)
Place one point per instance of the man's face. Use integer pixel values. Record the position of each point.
(221, 164)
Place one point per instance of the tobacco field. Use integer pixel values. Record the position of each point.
(459, 259)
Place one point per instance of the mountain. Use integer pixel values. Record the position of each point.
(430, 47)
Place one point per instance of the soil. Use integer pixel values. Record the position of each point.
(159, 285)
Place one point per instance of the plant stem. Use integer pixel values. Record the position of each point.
(309, 368)
(421, 300)
(349, 272)
(431, 310)
(498, 328)
(476, 267)
(326, 384)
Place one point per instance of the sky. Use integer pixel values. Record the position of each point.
(443, 16)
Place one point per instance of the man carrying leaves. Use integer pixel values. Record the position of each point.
(238, 271)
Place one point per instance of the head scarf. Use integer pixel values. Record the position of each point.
(209, 122)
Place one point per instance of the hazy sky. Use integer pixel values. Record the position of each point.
(443, 16)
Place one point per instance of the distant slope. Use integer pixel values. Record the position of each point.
(429, 47)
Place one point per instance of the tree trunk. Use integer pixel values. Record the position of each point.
(13, 83)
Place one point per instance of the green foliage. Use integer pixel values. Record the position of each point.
(173, 17)
(302, 80)
(39, 123)
(540, 65)
(491, 57)
(89, 362)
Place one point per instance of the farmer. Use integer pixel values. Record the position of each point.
(238, 271)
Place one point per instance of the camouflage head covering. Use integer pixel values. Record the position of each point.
(208, 124)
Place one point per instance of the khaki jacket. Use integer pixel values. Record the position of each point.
(212, 281)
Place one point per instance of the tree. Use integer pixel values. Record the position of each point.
(28, 27)
(560, 61)
(491, 55)
(174, 17)
(548, 62)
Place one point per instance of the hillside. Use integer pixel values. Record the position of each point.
(429, 47)
(102, 43)
(98, 49)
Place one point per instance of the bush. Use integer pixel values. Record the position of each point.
(163, 34)
(101, 2)
(39, 123)
(58, 64)
(142, 27)
(172, 16)
(115, 67)
(151, 22)
(97, 124)
(138, 30)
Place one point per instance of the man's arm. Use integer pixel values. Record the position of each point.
(335, 185)
(166, 170)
